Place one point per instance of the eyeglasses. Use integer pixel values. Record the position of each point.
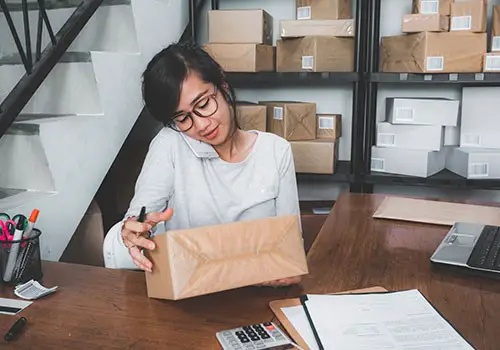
(204, 108)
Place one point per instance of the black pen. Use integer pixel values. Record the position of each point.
(142, 215)
(303, 299)
(16, 328)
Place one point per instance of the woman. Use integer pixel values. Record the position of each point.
(201, 169)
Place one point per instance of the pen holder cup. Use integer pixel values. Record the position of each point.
(20, 260)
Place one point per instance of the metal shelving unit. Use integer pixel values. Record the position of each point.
(373, 78)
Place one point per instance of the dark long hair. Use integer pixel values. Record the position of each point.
(165, 73)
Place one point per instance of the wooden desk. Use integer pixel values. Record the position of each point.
(100, 308)
(353, 250)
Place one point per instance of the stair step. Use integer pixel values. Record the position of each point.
(23, 129)
(30, 117)
(14, 198)
(9, 192)
(67, 57)
(16, 5)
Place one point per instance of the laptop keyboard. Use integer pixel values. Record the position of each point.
(486, 252)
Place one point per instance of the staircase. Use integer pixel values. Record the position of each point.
(57, 151)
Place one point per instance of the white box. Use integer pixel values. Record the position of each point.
(480, 126)
(451, 135)
(422, 111)
(422, 137)
(474, 163)
(409, 162)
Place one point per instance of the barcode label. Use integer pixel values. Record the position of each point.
(307, 62)
(304, 12)
(429, 6)
(471, 140)
(492, 63)
(495, 45)
(403, 114)
(461, 23)
(378, 164)
(384, 139)
(478, 169)
(326, 123)
(435, 63)
(278, 113)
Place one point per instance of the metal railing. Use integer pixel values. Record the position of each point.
(38, 67)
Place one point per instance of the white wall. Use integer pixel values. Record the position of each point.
(338, 99)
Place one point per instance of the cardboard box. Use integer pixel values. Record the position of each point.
(315, 54)
(251, 116)
(469, 16)
(297, 29)
(480, 124)
(329, 126)
(416, 23)
(293, 121)
(243, 57)
(491, 62)
(422, 111)
(240, 27)
(323, 9)
(204, 260)
(410, 162)
(419, 137)
(315, 157)
(457, 52)
(495, 29)
(474, 163)
(443, 7)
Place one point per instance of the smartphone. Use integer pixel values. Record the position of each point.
(199, 148)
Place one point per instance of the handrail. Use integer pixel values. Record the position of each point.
(45, 61)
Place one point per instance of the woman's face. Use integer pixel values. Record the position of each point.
(204, 112)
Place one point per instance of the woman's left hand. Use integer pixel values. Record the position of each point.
(283, 282)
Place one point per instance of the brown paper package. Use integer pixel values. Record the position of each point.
(243, 57)
(315, 157)
(240, 27)
(458, 52)
(473, 14)
(291, 120)
(329, 126)
(444, 7)
(326, 9)
(495, 29)
(251, 116)
(298, 29)
(199, 261)
(416, 23)
(315, 54)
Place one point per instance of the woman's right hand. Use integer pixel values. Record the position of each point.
(133, 233)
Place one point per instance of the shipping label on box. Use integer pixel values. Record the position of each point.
(422, 111)
(469, 16)
(240, 27)
(291, 120)
(416, 23)
(251, 116)
(491, 62)
(430, 7)
(474, 163)
(315, 157)
(420, 163)
(204, 260)
(495, 29)
(457, 52)
(419, 137)
(315, 54)
(297, 29)
(242, 57)
(329, 126)
(323, 9)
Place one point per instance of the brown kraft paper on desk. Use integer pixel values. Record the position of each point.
(192, 262)
(436, 212)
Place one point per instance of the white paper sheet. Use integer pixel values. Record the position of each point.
(399, 320)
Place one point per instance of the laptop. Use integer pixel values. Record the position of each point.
(471, 246)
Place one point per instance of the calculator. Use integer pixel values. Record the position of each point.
(264, 336)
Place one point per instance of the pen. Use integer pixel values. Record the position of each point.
(31, 222)
(142, 215)
(16, 328)
(303, 299)
(14, 249)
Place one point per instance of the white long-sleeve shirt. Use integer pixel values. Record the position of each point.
(206, 190)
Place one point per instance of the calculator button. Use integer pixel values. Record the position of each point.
(255, 338)
(270, 328)
(244, 340)
(268, 340)
(265, 336)
(268, 324)
(249, 347)
(247, 328)
(238, 333)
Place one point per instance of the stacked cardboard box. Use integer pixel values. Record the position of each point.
(319, 40)
(313, 137)
(492, 59)
(413, 139)
(479, 153)
(241, 40)
(442, 36)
